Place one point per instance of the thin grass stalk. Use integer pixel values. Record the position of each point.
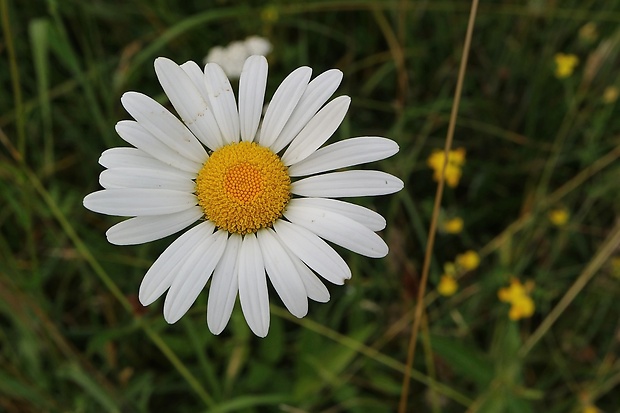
(20, 126)
(372, 353)
(419, 308)
(155, 338)
(610, 245)
(15, 79)
(396, 45)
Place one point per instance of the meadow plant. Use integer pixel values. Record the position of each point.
(500, 122)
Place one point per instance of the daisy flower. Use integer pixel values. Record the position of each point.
(260, 190)
(232, 57)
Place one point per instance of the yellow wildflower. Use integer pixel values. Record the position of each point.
(456, 159)
(468, 261)
(447, 285)
(559, 217)
(521, 304)
(565, 64)
(610, 95)
(588, 32)
(522, 307)
(453, 226)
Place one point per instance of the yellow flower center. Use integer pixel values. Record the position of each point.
(243, 187)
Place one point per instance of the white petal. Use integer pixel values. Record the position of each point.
(139, 230)
(283, 103)
(315, 95)
(347, 184)
(338, 229)
(159, 277)
(320, 128)
(252, 84)
(193, 275)
(124, 156)
(139, 202)
(283, 273)
(345, 153)
(315, 289)
(222, 100)
(364, 216)
(137, 158)
(133, 133)
(197, 76)
(145, 178)
(315, 252)
(224, 286)
(188, 102)
(163, 125)
(253, 286)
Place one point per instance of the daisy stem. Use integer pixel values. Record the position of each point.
(419, 308)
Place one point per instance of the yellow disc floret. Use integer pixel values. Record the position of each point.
(243, 187)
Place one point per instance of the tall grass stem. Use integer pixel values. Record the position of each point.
(419, 308)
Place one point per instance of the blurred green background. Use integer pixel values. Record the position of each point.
(538, 197)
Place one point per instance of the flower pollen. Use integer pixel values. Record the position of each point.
(243, 187)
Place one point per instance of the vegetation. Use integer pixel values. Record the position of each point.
(532, 327)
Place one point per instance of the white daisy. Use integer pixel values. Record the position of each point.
(232, 57)
(263, 199)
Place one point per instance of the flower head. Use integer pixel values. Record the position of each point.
(453, 225)
(468, 261)
(565, 64)
(559, 216)
(232, 57)
(610, 94)
(517, 294)
(447, 285)
(456, 159)
(260, 189)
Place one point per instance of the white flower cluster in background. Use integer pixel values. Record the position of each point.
(232, 57)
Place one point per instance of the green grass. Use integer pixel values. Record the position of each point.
(74, 338)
